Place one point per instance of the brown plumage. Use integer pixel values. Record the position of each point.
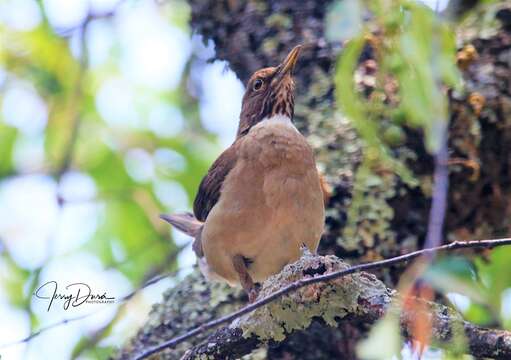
(262, 198)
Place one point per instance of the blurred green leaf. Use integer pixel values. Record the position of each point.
(495, 275)
(8, 137)
(479, 314)
(349, 99)
(12, 281)
(384, 340)
(455, 274)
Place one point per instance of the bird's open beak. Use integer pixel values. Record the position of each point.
(289, 63)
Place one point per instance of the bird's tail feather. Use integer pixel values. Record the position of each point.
(185, 222)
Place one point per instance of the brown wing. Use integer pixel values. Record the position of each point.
(211, 185)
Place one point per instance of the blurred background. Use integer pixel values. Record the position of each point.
(110, 114)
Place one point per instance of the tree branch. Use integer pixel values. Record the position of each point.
(153, 279)
(230, 341)
(372, 302)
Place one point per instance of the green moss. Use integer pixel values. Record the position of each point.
(330, 301)
(394, 135)
(193, 301)
(280, 21)
(269, 46)
(369, 214)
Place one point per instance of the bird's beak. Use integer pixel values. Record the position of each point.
(289, 63)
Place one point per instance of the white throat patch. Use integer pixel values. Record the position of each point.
(278, 119)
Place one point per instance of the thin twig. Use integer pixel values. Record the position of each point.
(46, 328)
(121, 300)
(439, 197)
(321, 278)
(67, 31)
(150, 278)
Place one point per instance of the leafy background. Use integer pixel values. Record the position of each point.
(110, 114)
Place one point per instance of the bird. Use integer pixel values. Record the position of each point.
(263, 198)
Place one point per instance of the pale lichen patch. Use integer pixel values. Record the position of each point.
(330, 301)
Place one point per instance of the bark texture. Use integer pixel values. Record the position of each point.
(357, 299)
(368, 217)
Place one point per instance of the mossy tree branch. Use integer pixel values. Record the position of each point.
(322, 272)
(359, 298)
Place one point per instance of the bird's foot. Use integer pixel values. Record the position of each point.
(304, 249)
(240, 265)
(252, 294)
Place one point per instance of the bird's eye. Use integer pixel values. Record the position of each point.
(258, 84)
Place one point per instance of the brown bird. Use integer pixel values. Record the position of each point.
(262, 198)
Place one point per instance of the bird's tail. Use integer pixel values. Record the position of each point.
(184, 222)
(187, 223)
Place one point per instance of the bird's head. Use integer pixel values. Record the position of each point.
(270, 91)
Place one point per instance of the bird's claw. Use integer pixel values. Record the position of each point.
(252, 295)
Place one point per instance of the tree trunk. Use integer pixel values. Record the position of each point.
(392, 218)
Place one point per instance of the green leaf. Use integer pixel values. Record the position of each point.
(349, 99)
(495, 274)
(384, 340)
(455, 274)
(13, 280)
(479, 314)
(8, 137)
